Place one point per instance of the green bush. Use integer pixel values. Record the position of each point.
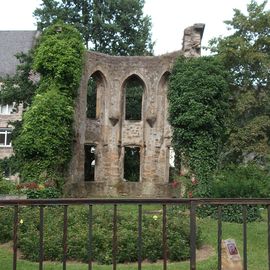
(6, 224)
(240, 181)
(7, 187)
(177, 230)
(34, 190)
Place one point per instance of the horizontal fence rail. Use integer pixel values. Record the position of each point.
(193, 204)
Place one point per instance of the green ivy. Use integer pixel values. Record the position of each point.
(43, 145)
(198, 105)
(58, 58)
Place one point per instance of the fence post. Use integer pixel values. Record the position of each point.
(192, 235)
(219, 236)
(15, 236)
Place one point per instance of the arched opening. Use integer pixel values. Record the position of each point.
(134, 88)
(94, 86)
(132, 163)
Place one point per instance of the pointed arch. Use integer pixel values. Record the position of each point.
(134, 88)
(95, 87)
(163, 82)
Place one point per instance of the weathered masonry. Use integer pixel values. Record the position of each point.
(110, 136)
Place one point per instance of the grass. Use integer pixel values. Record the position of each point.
(257, 248)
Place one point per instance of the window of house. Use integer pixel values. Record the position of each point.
(134, 88)
(6, 108)
(5, 137)
(132, 164)
(89, 162)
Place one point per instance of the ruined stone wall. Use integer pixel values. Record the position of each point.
(110, 132)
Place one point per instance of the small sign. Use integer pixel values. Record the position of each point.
(232, 250)
(231, 259)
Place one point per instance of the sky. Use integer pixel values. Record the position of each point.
(169, 18)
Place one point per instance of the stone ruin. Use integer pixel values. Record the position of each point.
(98, 166)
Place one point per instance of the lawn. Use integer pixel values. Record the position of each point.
(257, 249)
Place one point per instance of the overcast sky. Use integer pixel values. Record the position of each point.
(169, 18)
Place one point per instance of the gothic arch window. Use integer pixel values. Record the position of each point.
(132, 163)
(134, 88)
(95, 85)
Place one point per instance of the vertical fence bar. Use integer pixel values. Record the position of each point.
(164, 233)
(114, 251)
(219, 236)
(244, 237)
(139, 237)
(41, 232)
(268, 222)
(15, 235)
(90, 237)
(192, 236)
(65, 238)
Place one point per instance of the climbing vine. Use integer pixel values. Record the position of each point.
(198, 105)
(43, 145)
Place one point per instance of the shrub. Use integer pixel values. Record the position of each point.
(178, 235)
(34, 190)
(7, 187)
(242, 181)
(6, 221)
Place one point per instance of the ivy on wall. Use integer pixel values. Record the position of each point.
(198, 105)
(43, 145)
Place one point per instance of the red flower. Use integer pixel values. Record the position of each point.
(174, 184)
(190, 194)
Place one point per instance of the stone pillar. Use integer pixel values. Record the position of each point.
(192, 40)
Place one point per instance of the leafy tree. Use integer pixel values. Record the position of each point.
(76, 12)
(42, 145)
(198, 105)
(58, 58)
(246, 54)
(115, 27)
(120, 28)
(21, 87)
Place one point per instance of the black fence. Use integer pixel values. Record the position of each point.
(192, 203)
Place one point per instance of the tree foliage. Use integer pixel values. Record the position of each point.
(198, 105)
(21, 87)
(246, 54)
(115, 27)
(43, 144)
(58, 58)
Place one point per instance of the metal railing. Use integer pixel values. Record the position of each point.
(192, 203)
